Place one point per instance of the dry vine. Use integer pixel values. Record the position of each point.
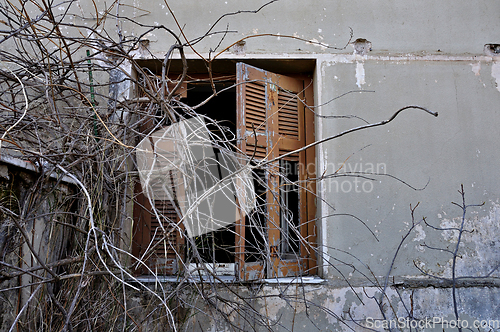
(61, 115)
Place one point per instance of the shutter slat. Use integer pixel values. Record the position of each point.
(260, 152)
(253, 86)
(288, 114)
(255, 112)
(293, 157)
(254, 99)
(288, 120)
(167, 210)
(290, 109)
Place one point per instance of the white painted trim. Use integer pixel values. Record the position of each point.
(229, 279)
(338, 58)
(321, 160)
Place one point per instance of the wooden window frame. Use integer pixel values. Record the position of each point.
(273, 139)
(270, 137)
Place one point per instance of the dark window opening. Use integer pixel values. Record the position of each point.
(269, 112)
(217, 246)
(255, 223)
(290, 218)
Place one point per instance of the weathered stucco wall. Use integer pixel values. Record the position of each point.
(423, 53)
(444, 27)
(453, 27)
(427, 53)
(438, 154)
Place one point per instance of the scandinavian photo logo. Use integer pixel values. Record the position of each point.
(355, 177)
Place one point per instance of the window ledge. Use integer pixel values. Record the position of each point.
(230, 279)
(294, 280)
(175, 279)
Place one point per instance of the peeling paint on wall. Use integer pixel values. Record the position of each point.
(476, 68)
(495, 73)
(478, 254)
(420, 233)
(360, 74)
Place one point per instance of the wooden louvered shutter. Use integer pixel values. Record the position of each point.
(163, 250)
(271, 121)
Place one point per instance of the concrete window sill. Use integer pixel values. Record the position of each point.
(230, 279)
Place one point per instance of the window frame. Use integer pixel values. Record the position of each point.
(274, 143)
(276, 266)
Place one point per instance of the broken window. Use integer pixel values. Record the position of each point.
(233, 197)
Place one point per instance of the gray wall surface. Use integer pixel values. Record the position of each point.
(448, 27)
(435, 155)
(426, 53)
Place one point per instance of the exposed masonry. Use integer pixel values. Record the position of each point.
(492, 49)
(362, 46)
